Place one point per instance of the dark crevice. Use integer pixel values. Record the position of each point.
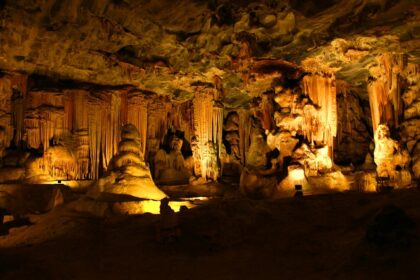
(312, 7)
(38, 82)
(129, 54)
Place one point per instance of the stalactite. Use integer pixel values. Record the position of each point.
(137, 115)
(320, 125)
(81, 131)
(45, 118)
(267, 112)
(6, 106)
(97, 109)
(217, 128)
(124, 107)
(104, 129)
(116, 124)
(18, 85)
(158, 122)
(203, 125)
(244, 133)
(18, 112)
(385, 90)
(344, 125)
(68, 111)
(82, 154)
(181, 118)
(48, 118)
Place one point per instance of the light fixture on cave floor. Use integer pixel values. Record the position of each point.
(298, 176)
(298, 189)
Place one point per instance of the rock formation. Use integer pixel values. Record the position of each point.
(258, 178)
(169, 163)
(127, 173)
(231, 159)
(391, 160)
(317, 80)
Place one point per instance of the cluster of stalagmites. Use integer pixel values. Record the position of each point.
(291, 129)
(127, 173)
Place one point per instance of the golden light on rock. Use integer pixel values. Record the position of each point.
(223, 104)
(180, 139)
(298, 175)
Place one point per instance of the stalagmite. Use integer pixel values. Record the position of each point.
(127, 173)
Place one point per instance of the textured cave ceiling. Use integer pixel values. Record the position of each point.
(171, 46)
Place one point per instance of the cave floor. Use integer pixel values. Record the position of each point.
(314, 237)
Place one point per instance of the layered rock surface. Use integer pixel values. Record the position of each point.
(165, 46)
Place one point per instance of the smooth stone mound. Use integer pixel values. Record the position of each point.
(124, 184)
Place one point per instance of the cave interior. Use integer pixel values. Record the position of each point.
(204, 119)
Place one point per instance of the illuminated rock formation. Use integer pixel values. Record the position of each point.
(258, 178)
(212, 162)
(317, 79)
(127, 173)
(385, 91)
(391, 160)
(283, 141)
(314, 160)
(208, 124)
(320, 125)
(169, 163)
(393, 96)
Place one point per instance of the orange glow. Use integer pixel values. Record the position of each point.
(297, 175)
(201, 198)
(153, 206)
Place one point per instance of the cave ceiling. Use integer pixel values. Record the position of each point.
(173, 47)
